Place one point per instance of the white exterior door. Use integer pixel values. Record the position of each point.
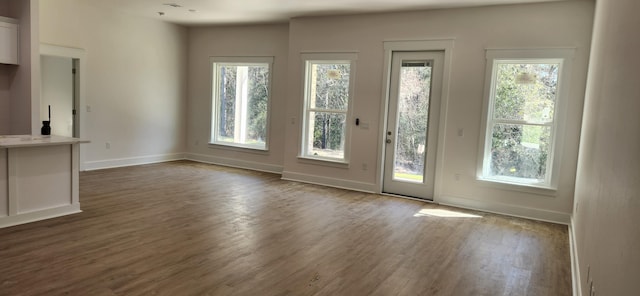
(412, 123)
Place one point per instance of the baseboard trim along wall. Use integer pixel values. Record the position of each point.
(505, 209)
(235, 163)
(130, 161)
(330, 182)
(575, 264)
(39, 215)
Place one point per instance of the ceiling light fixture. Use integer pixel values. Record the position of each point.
(174, 5)
(160, 13)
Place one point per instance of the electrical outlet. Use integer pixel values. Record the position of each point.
(88, 108)
(365, 167)
(107, 145)
(460, 132)
(197, 142)
(456, 176)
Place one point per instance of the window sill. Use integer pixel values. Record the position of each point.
(324, 162)
(520, 187)
(239, 148)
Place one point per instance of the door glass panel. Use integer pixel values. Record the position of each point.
(412, 116)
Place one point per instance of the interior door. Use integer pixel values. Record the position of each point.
(412, 123)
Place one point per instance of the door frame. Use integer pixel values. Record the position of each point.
(445, 45)
(79, 58)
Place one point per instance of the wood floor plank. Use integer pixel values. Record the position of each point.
(185, 228)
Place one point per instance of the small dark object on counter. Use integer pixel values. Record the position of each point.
(46, 128)
(46, 125)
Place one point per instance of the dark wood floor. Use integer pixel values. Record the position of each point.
(184, 228)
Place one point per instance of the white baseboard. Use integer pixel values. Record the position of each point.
(39, 215)
(505, 209)
(331, 182)
(130, 161)
(575, 264)
(236, 163)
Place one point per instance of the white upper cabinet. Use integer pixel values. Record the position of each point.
(8, 41)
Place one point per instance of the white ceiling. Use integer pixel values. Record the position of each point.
(210, 12)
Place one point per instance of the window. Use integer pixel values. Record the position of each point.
(525, 99)
(327, 93)
(240, 96)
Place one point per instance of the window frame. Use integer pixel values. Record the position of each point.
(494, 57)
(215, 100)
(326, 58)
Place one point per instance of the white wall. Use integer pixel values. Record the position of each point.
(563, 24)
(607, 199)
(57, 92)
(136, 80)
(259, 40)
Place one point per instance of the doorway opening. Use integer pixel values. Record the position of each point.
(62, 88)
(59, 96)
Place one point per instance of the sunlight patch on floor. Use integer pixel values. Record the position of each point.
(444, 214)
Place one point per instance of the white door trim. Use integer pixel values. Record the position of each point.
(445, 45)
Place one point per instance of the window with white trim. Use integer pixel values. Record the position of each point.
(328, 88)
(525, 101)
(240, 101)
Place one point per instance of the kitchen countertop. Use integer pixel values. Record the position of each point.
(14, 141)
